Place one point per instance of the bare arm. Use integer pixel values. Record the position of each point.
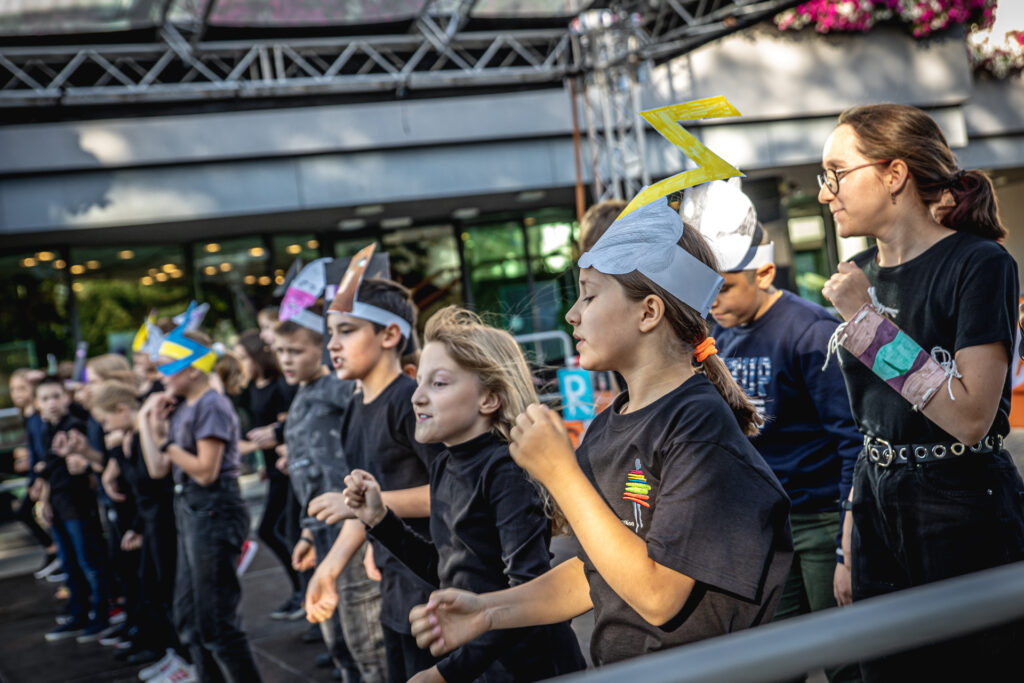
(414, 502)
(157, 463)
(322, 592)
(204, 466)
(454, 617)
(977, 393)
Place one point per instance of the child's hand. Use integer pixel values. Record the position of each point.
(59, 444)
(321, 595)
(263, 437)
(431, 675)
(113, 438)
(363, 497)
(131, 541)
(159, 413)
(303, 555)
(109, 481)
(21, 459)
(450, 619)
(76, 464)
(282, 459)
(369, 565)
(330, 508)
(540, 443)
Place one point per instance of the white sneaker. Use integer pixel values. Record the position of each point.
(183, 673)
(159, 668)
(50, 568)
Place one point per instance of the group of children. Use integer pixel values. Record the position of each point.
(705, 499)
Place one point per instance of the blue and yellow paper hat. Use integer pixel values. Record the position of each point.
(183, 351)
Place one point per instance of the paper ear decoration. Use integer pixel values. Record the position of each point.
(293, 270)
(646, 240)
(192, 317)
(727, 218)
(183, 351)
(149, 337)
(346, 300)
(302, 293)
(710, 166)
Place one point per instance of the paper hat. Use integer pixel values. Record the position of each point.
(302, 293)
(183, 351)
(293, 270)
(646, 240)
(346, 300)
(193, 316)
(149, 337)
(727, 219)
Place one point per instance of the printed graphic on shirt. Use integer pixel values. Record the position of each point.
(637, 492)
(753, 375)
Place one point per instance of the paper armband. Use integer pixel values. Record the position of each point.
(897, 359)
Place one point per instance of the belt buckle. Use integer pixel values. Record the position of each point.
(887, 455)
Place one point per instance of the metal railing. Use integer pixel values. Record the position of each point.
(865, 630)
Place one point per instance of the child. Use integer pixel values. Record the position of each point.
(316, 464)
(370, 323)
(71, 503)
(115, 407)
(683, 527)
(194, 431)
(774, 344)
(487, 521)
(268, 397)
(21, 386)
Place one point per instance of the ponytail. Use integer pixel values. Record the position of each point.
(742, 408)
(976, 210)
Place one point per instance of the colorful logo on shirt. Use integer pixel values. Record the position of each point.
(637, 492)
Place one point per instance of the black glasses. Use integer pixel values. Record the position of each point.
(831, 177)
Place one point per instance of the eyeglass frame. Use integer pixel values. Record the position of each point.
(829, 173)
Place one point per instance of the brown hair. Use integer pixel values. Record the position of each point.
(111, 366)
(896, 131)
(111, 394)
(596, 221)
(498, 363)
(290, 329)
(260, 353)
(691, 329)
(231, 373)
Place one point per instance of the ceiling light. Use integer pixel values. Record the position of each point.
(225, 267)
(77, 287)
(210, 270)
(531, 196)
(312, 244)
(351, 224)
(249, 279)
(125, 254)
(147, 280)
(369, 210)
(59, 264)
(212, 248)
(77, 269)
(256, 252)
(28, 262)
(92, 265)
(46, 256)
(466, 213)
(161, 277)
(293, 248)
(397, 222)
(264, 280)
(170, 267)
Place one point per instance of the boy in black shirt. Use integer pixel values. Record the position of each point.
(370, 323)
(76, 523)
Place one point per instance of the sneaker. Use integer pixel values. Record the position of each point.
(68, 630)
(64, 619)
(112, 635)
(161, 667)
(116, 615)
(183, 673)
(312, 634)
(143, 656)
(291, 610)
(249, 549)
(92, 632)
(57, 577)
(50, 565)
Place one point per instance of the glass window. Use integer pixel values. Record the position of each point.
(234, 276)
(116, 287)
(495, 255)
(288, 248)
(35, 311)
(426, 260)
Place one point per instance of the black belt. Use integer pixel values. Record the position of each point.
(884, 454)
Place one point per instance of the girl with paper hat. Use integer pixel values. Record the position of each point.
(699, 543)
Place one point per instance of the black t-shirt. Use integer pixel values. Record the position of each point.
(489, 532)
(378, 438)
(265, 404)
(714, 511)
(961, 292)
(153, 497)
(71, 495)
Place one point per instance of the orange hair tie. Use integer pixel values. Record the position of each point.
(705, 349)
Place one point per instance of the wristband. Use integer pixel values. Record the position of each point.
(895, 358)
(846, 504)
(165, 445)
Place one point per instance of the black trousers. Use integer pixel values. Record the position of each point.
(405, 659)
(212, 522)
(156, 577)
(273, 526)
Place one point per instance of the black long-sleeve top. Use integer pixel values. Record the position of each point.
(71, 495)
(489, 532)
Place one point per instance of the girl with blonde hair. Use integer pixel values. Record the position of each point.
(487, 522)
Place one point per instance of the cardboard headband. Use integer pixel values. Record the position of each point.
(149, 338)
(726, 217)
(185, 352)
(303, 291)
(346, 299)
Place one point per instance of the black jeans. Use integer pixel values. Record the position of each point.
(405, 658)
(212, 524)
(933, 521)
(272, 530)
(156, 577)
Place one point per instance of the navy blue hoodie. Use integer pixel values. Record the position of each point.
(809, 438)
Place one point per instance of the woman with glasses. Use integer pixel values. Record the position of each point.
(930, 317)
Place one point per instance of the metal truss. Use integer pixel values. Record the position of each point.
(615, 47)
(437, 53)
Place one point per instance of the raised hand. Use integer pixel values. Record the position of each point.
(847, 289)
(540, 443)
(450, 619)
(330, 508)
(303, 555)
